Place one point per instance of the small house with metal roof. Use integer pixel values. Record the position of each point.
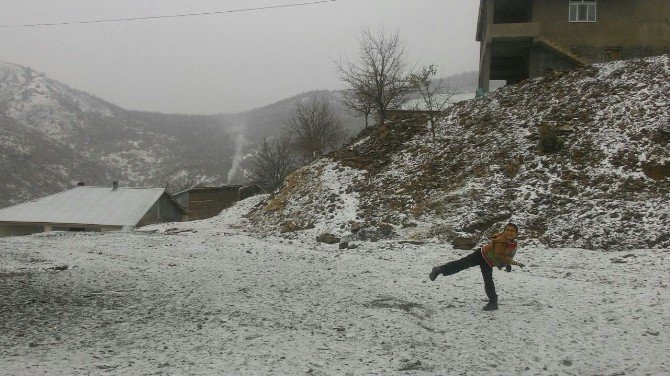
(88, 208)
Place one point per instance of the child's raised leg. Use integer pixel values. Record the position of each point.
(454, 267)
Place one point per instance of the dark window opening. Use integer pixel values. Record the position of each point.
(514, 11)
(611, 54)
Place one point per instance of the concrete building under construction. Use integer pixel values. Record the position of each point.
(523, 39)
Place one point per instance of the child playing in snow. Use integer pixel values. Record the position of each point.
(499, 252)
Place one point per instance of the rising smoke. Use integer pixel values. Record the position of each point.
(241, 143)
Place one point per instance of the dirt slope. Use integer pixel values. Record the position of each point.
(605, 187)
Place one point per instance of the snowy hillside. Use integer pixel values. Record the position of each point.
(43, 104)
(205, 298)
(606, 187)
(52, 136)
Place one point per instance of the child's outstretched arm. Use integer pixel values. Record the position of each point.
(508, 268)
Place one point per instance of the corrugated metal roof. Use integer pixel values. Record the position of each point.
(200, 188)
(87, 205)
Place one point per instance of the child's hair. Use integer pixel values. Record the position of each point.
(516, 228)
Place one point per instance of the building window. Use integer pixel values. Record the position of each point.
(611, 54)
(582, 10)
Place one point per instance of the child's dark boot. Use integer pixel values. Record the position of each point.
(491, 306)
(434, 273)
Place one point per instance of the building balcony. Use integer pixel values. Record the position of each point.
(513, 30)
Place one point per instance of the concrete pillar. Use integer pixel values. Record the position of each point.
(47, 228)
(485, 48)
(485, 67)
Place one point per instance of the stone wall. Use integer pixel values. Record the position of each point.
(208, 202)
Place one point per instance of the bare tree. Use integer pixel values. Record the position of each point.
(435, 94)
(314, 128)
(358, 103)
(380, 75)
(272, 163)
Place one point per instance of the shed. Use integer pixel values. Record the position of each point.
(87, 208)
(206, 202)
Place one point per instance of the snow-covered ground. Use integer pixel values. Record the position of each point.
(206, 298)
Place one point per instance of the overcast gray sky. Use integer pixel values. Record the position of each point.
(224, 62)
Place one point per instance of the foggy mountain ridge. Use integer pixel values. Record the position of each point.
(53, 136)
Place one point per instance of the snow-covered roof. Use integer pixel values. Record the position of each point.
(87, 206)
(450, 99)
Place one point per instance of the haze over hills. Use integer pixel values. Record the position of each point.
(53, 136)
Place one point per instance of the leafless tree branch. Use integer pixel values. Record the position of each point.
(435, 94)
(272, 162)
(379, 77)
(315, 129)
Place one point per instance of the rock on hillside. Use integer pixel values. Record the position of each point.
(605, 185)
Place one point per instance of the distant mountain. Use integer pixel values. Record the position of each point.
(53, 136)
